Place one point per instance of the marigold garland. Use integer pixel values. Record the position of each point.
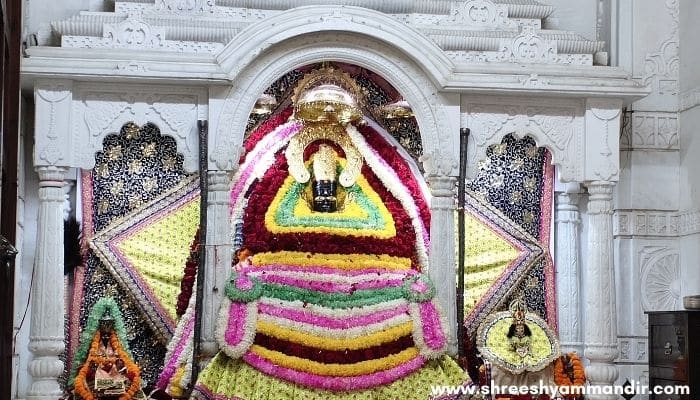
(101, 307)
(569, 372)
(132, 370)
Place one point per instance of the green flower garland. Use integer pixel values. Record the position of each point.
(102, 306)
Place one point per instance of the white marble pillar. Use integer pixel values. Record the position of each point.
(600, 333)
(218, 257)
(442, 249)
(46, 334)
(568, 275)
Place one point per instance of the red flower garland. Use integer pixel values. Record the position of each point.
(259, 239)
(266, 127)
(400, 166)
(187, 282)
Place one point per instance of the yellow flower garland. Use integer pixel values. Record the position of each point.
(339, 261)
(359, 368)
(353, 211)
(327, 343)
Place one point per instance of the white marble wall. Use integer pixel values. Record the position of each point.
(577, 16)
(648, 196)
(655, 226)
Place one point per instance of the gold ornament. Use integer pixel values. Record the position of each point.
(264, 104)
(321, 131)
(397, 110)
(327, 95)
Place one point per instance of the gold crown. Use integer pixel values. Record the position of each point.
(327, 95)
(518, 309)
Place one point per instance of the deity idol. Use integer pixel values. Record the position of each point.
(333, 302)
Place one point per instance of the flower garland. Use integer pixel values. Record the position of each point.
(263, 130)
(188, 278)
(236, 327)
(177, 368)
(394, 184)
(336, 370)
(259, 239)
(339, 383)
(132, 370)
(374, 134)
(102, 306)
(352, 261)
(569, 373)
(260, 159)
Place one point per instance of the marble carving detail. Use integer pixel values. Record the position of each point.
(633, 349)
(661, 282)
(185, 6)
(690, 98)
(52, 99)
(481, 13)
(556, 127)
(656, 223)
(661, 67)
(646, 223)
(99, 111)
(135, 33)
(653, 130)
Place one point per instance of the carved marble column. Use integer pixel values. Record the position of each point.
(568, 278)
(218, 256)
(442, 249)
(46, 334)
(600, 334)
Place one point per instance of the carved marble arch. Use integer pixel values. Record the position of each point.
(408, 78)
(556, 124)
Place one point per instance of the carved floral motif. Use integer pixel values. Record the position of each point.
(481, 13)
(661, 67)
(100, 111)
(660, 283)
(134, 33)
(185, 6)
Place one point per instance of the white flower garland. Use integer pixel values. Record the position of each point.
(186, 355)
(236, 350)
(268, 147)
(332, 278)
(418, 335)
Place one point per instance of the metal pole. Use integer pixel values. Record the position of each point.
(464, 135)
(203, 192)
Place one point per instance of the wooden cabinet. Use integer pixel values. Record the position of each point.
(674, 352)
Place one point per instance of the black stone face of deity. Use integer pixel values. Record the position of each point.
(325, 199)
